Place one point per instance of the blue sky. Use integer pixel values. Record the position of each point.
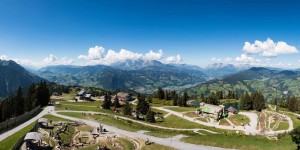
(50, 32)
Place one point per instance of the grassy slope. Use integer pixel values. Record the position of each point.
(228, 140)
(9, 142)
(181, 109)
(238, 119)
(242, 142)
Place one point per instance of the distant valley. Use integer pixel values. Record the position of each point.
(139, 75)
(254, 79)
(145, 76)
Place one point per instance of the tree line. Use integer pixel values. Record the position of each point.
(143, 106)
(291, 103)
(215, 97)
(21, 102)
(254, 101)
(178, 100)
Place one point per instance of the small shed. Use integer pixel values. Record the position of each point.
(87, 96)
(81, 93)
(232, 110)
(214, 110)
(33, 136)
(55, 94)
(43, 120)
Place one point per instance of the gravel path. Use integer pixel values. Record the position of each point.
(171, 142)
(143, 123)
(20, 127)
(248, 129)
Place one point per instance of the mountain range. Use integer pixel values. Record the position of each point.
(146, 75)
(12, 76)
(270, 82)
(138, 75)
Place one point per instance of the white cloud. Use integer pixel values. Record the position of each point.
(3, 57)
(50, 59)
(228, 59)
(244, 59)
(97, 56)
(122, 55)
(269, 48)
(223, 60)
(214, 59)
(172, 59)
(154, 56)
(53, 60)
(93, 53)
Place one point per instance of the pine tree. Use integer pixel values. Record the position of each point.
(106, 102)
(185, 98)
(127, 109)
(30, 100)
(242, 102)
(19, 102)
(149, 99)
(42, 94)
(202, 97)
(293, 104)
(175, 99)
(248, 102)
(283, 102)
(258, 101)
(179, 101)
(116, 102)
(160, 93)
(150, 117)
(213, 99)
(142, 106)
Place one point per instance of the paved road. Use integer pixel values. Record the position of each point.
(20, 127)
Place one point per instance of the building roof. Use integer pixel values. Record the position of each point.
(43, 120)
(122, 94)
(88, 95)
(212, 109)
(231, 109)
(33, 136)
(81, 92)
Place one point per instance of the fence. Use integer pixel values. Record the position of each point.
(11, 122)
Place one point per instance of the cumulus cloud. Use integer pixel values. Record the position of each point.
(228, 59)
(214, 59)
(93, 53)
(50, 59)
(3, 57)
(153, 55)
(244, 59)
(269, 48)
(172, 59)
(97, 55)
(53, 60)
(223, 60)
